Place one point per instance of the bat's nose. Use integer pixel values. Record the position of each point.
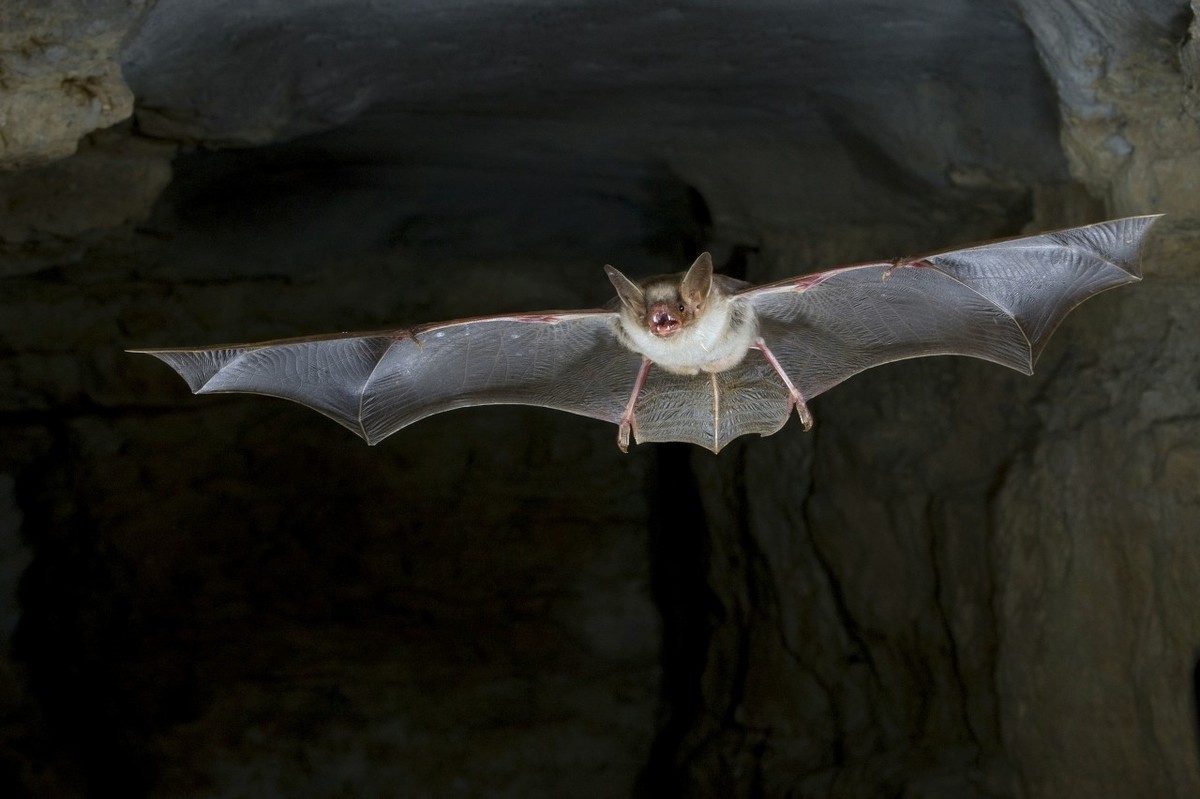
(662, 321)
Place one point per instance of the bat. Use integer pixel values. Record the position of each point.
(696, 356)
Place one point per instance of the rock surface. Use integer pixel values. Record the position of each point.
(60, 75)
(962, 583)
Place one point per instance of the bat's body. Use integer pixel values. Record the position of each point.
(687, 323)
(693, 357)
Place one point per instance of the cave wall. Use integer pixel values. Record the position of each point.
(963, 582)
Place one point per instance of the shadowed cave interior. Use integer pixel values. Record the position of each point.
(962, 583)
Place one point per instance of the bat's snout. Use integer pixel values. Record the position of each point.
(661, 321)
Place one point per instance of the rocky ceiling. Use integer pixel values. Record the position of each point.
(963, 583)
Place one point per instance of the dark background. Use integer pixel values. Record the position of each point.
(962, 583)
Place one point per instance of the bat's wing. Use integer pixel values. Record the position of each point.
(376, 383)
(998, 301)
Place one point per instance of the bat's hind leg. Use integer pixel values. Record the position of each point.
(806, 417)
(627, 418)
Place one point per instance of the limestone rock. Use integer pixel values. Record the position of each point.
(60, 76)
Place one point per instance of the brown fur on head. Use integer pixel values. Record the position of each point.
(667, 303)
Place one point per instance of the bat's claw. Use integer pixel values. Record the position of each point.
(902, 263)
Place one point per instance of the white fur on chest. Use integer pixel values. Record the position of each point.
(717, 341)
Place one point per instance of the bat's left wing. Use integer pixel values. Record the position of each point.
(998, 301)
(376, 383)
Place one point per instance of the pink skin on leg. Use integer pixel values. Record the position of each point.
(798, 402)
(627, 417)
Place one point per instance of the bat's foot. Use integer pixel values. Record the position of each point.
(623, 436)
(626, 423)
(806, 417)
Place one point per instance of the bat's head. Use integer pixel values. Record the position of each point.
(666, 304)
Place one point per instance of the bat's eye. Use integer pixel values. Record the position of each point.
(682, 308)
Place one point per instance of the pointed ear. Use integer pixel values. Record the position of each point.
(631, 294)
(698, 280)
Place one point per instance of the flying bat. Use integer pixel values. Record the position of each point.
(696, 356)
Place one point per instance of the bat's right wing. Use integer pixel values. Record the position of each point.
(998, 301)
(376, 383)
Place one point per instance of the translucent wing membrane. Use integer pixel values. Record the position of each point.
(998, 301)
(377, 383)
(712, 410)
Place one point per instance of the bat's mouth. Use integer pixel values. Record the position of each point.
(662, 323)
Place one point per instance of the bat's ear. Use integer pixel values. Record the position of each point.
(631, 294)
(698, 280)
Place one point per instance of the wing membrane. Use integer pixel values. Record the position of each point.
(712, 410)
(376, 383)
(998, 301)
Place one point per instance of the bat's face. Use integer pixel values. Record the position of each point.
(667, 304)
(667, 310)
